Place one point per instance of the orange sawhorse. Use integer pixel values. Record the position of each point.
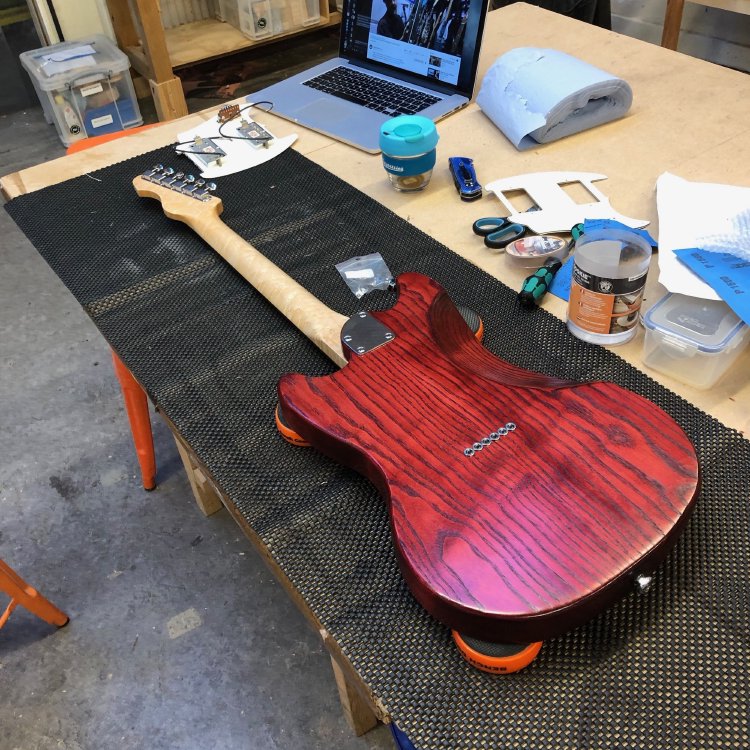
(136, 401)
(21, 593)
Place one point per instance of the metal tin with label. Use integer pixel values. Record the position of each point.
(609, 275)
(533, 251)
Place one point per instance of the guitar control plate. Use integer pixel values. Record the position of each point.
(362, 333)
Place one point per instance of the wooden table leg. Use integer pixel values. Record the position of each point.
(206, 495)
(138, 23)
(357, 711)
(672, 21)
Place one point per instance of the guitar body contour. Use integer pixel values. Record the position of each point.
(537, 530)
(520, 505)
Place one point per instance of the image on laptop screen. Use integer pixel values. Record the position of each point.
(435, 40)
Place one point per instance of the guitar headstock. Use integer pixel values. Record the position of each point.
(182, 196)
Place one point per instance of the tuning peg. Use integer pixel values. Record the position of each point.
(203, 189)
(153, 173)
(173, 177)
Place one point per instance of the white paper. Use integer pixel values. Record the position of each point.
(73, 58)
(539, 95)
(240, 154)
(704, 215)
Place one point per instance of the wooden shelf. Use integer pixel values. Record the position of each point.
(155, 52)
(206, 40)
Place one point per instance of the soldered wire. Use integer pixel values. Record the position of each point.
(228, 137)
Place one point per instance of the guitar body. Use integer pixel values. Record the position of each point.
(520, 505)
(537, 530)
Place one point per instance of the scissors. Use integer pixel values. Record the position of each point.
(498, 231)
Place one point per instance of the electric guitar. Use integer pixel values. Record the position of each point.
(520, 505)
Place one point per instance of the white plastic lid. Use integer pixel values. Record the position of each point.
(708, 324)
(60, 65)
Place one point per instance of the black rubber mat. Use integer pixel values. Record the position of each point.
(668, 669)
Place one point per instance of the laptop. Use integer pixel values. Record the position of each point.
(395, 57)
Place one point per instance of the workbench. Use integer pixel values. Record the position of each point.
(703, 135)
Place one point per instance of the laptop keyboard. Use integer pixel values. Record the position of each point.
(373, 93)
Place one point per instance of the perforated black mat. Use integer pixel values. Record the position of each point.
(669, 669)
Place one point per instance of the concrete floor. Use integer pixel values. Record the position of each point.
(179, 636)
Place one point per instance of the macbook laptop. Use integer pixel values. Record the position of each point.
(395, 57)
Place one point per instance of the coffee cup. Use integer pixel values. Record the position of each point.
(408, 144)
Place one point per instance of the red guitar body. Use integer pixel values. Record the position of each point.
(537, 530)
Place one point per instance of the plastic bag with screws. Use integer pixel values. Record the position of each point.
(364, 273)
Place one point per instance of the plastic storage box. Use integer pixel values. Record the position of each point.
(260, 19)
(229, 12)
(693, 340)
(84, 87)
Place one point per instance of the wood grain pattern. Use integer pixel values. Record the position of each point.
(532, 533)
(537, 531)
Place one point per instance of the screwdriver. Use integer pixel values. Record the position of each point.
(536, 286)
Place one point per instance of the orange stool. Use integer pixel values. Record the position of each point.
(21, 593)
(136, 401)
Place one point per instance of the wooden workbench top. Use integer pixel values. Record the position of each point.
(688, 117)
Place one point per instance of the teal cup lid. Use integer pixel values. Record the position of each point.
(408, 135)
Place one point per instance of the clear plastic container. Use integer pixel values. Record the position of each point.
(693, 340)
(229, 12)
(84, 87)
(260, 19)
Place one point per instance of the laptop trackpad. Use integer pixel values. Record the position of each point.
(326, 111)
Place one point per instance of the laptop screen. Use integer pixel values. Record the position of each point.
(435, 41)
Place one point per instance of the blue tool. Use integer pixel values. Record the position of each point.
(497, 231)
(465, 178)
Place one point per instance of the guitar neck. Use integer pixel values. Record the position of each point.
(305, 311)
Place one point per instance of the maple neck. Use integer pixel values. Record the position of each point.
(200, 210)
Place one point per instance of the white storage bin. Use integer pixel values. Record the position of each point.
(693, 340)
(84, 87)
(229, 12)
(260, 19)
(178, 12)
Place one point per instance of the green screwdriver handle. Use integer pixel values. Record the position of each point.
(536, 286)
